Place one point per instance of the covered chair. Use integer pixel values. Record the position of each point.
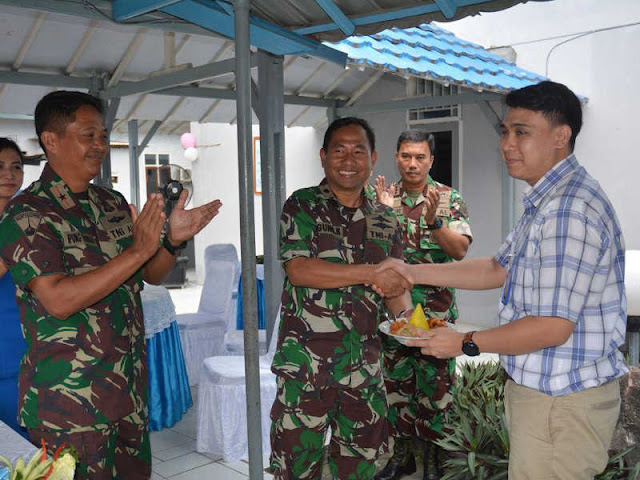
(202, 333)
(222, 404)
(234, 337)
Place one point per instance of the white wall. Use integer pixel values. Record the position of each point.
(601, 65)
(215, 174)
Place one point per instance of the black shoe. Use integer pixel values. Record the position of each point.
(432, 462)
(401, 463)
(397, 469)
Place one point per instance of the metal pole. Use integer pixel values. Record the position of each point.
(134, 168)
(271, 83)
(247, 232)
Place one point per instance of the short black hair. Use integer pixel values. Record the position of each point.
(415, 135)
(558, 104)
(10, 144)
(344, 122)
(58, 109)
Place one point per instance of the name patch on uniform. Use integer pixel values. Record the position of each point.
(334, 230)
(118, 225)
(72, 238)
(381, 234)
(443, 209)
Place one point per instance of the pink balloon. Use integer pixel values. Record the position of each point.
(187, 140)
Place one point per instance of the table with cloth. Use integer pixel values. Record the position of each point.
(260, 295)
(12, 447)
(234, 339)
(169, 394)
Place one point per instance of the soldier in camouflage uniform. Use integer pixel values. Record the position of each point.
(435, 227)
(328, 356)
(78, 255)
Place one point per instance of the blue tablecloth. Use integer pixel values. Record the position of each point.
(169, 394)
(260, 291)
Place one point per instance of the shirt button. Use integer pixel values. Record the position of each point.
(24, 271)
(45, 263)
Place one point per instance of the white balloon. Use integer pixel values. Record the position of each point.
(191, 154)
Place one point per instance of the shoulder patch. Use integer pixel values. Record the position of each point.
(29, 223)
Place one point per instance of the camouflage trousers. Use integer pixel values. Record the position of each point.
(419, 390)
(301, 416)
(119, 450)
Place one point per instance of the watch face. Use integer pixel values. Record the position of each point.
(471, 349)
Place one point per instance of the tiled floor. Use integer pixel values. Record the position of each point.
(175, 457)
(174, 449)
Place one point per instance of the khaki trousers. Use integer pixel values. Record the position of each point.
(560, 438)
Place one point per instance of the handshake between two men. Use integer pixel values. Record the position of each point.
(392, 278)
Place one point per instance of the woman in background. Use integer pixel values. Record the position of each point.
(12, 345)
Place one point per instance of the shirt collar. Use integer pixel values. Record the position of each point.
(368, 204)
(59, 191)
(402, 193)
(532, 197)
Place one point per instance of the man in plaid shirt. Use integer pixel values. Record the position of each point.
(563, 307)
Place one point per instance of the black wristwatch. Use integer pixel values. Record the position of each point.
(170, 248)
(437, 224)
(468, 345)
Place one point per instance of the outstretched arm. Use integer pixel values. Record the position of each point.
(472, 274)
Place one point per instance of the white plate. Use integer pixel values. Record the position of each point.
(386, 325)
(384, 328)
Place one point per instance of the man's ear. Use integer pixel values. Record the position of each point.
(562, 136)
(323, 155)
(374, 157)
(50, 141)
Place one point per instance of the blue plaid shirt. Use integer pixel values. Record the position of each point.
(565, 258)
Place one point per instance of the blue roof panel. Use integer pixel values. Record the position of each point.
(432, 52)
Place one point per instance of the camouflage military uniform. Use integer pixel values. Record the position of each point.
(328, 355)
(84, 375)
(420, 388)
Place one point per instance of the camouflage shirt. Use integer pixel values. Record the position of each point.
(328, 337)
(89, 369)
(421, 247)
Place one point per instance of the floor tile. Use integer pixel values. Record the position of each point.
(155, 476)
(187, 426)
(181, 464)
(173, 452)
(240, 466)
(167, 438)
(212, 471)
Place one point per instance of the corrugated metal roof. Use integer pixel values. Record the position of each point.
(431, 52)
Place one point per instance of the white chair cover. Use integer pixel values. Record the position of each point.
(227, 251)
(222, 404)
(202, 333)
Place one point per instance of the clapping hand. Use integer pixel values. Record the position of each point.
(184, 224)
(147, 226)
(384, 192)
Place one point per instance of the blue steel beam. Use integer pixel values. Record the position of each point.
(387, 16)
(123, 10)
(447, 7)
(264, 35)
(340, 19)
